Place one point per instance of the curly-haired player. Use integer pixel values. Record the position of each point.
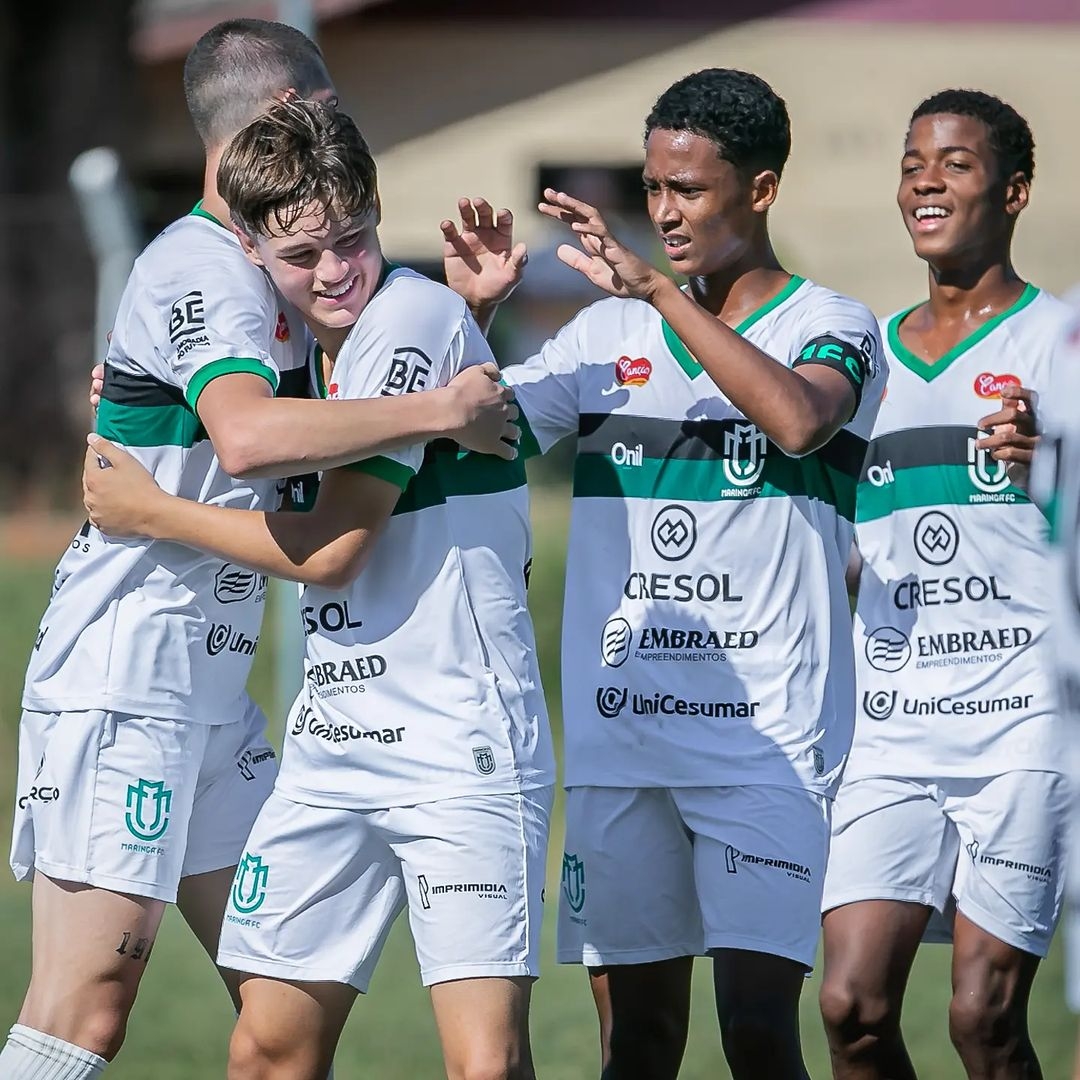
(707, 669)
(954, 798)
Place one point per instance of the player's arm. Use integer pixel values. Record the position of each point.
(798, 408)
(327, 546)
(257, 435)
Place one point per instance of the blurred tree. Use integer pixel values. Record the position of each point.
(67, 82)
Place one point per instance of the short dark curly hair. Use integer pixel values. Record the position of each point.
(738, 111)
(1010, 135)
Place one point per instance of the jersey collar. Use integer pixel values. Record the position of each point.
(198, 211)
(928, 372)
(686, 359)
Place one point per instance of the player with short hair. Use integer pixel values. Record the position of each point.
(142, 761)
(707, 682)
(418, 767)
(954, 795)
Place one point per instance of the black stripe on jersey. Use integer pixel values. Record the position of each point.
(914, 447)
(294, 383)
(140, 391)
(697, 440)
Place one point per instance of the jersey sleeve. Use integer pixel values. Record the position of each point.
(843, 335)
(546, 388)
(416, 338)
(219, 321)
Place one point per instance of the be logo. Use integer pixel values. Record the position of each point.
(744, 455)
(983, 471)
(409, 371)
(573, 881)
(249, 885)
(187, 317)
(148, 806)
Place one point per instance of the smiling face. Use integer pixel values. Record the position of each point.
(705, 210)
(327, 268)
(953, 198)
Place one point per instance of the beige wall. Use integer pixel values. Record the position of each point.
(850, 88)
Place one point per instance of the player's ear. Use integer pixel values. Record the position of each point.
(763, 189)
(1017, 190)
(378, 209)
(248, 244)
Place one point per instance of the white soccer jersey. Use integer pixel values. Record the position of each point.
(147, 627)
(706, 633)
(422, 680)
(952, 609)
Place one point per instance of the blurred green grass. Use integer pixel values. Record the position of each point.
(182, 1019)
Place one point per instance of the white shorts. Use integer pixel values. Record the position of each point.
(994, 845)
(135, 804)
(318, 889)
(654, 873)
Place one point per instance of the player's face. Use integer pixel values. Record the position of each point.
(703, 208)
(328, 269)
(952, 196)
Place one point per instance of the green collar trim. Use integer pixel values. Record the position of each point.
(686, 359)
(198, 211)
(929, 372)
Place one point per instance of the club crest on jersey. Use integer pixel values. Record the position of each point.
(630, 372)
(744, 455)
(282, 333)
(249, 885)
(983, 471)
(989, 385)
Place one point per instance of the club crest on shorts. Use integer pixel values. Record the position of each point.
(148, 806)
(573, 881)
(484, 760)
(249, 885)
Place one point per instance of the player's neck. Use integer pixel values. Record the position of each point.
(736, 292)
(977, 291)
(330, 338)
(212, 202)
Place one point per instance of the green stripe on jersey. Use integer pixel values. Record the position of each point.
(139, 410)
(931, 466)
(639, 457)
(445, 474)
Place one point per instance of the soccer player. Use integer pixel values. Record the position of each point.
(418, 768)
(954, 796)
(707, 667)
(142, 762)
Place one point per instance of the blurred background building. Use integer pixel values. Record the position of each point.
(493, 97)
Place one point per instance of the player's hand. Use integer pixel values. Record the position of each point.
(483, 265)
(118, 493)
(603, 260)
(484, 412)
(97, 381)
(1013, 432)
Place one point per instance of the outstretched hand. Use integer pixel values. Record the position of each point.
(603, 259)
(483, 265)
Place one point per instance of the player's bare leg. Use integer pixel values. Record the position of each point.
(288, 1030)
(483, 1026)
(601, 992)
(869, 949)
(757, 1004)
(650, 1019)
(988, 1012)
(90, 949)
(202, 899)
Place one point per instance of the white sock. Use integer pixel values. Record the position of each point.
(33, 1055)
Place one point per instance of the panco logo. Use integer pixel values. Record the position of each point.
(282, 331)
(988, 385)
(632, 372)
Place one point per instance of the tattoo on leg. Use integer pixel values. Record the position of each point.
(139, 951)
